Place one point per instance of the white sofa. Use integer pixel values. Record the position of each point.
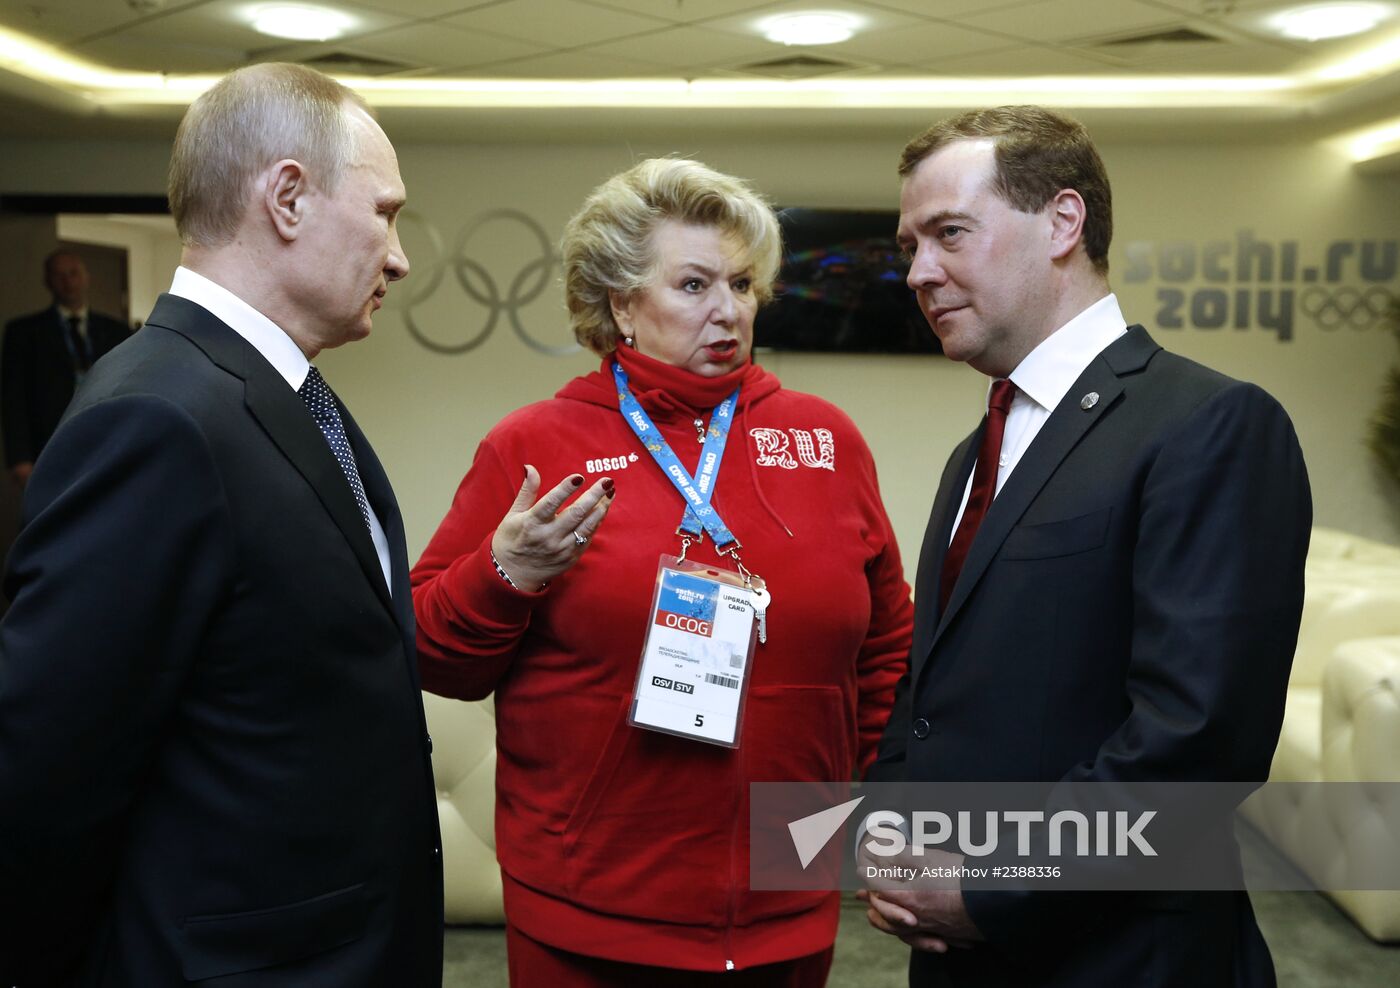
(464, 767)
(1342, 724)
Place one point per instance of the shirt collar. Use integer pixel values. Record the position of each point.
(66, 313)
(1050, 370)
(265, 336)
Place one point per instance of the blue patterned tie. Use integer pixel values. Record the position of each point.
(318, 399)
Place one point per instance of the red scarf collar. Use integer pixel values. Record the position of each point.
(666, 387)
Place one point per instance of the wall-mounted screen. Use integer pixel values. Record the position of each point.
(841, 288)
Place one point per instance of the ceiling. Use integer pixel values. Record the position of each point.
(593, 69)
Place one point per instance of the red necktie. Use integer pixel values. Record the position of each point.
(984, 488)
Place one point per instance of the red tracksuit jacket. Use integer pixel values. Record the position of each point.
(630, 844)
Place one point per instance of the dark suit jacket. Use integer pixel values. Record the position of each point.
(1127, 612)
(36, 376)
(213, 758)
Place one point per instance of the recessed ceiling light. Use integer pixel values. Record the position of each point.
(1320, 21)
(815, 27)
(1379, 141)
(301, 23)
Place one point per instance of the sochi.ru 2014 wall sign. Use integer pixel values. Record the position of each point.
(1255, 283)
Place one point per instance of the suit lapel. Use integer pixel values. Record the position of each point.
(282, 414)
(1062, 431)
(386, 508)
(936, 538)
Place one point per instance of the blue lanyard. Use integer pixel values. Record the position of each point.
(698, 512)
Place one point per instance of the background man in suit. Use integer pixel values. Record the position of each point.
(45, 355)
(213, 759)
(1111, 582)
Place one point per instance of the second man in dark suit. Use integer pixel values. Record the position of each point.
(45, 355)
(213, 759)
(1111, 583)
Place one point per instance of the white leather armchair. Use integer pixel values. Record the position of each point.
(1342, 724)
(464, 767)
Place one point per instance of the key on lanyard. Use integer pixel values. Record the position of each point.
(761, 599)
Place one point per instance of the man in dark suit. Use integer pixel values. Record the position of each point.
(1111, 582)
(213, 758)
(45, 355)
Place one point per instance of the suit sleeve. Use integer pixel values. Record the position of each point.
(889, 760)
(1217, 586)
(470, 621)
(16, 374)
(123, 559)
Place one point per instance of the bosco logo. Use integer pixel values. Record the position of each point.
(605, 464)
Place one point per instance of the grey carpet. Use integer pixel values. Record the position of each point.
(1314, 946)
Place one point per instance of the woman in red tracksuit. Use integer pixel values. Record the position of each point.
(623, 850)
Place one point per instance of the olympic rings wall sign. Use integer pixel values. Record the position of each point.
(1253, 282)
(472, 276)
(1354, 308)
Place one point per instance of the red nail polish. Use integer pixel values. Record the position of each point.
(609, 494)
(608, 485)
(576, 480)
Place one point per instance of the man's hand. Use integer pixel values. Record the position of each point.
(932, 920)
(20, 472)
(929, 916)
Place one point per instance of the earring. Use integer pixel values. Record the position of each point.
(627, 342)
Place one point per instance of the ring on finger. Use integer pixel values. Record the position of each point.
(580, 539)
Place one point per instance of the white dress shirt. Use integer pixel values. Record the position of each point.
(1044, 377)
(67, 315)
(277, 348)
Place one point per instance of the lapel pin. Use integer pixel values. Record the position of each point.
(1089, 400)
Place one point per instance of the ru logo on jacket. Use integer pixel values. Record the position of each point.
(816, 449)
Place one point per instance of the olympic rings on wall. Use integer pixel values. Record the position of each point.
(476, 281)
(1353, 307)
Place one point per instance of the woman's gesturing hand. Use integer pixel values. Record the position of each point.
(536, 541)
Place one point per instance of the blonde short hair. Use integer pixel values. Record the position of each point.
(248, 120)
(607, 246)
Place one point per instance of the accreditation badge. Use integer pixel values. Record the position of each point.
(694, 674)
